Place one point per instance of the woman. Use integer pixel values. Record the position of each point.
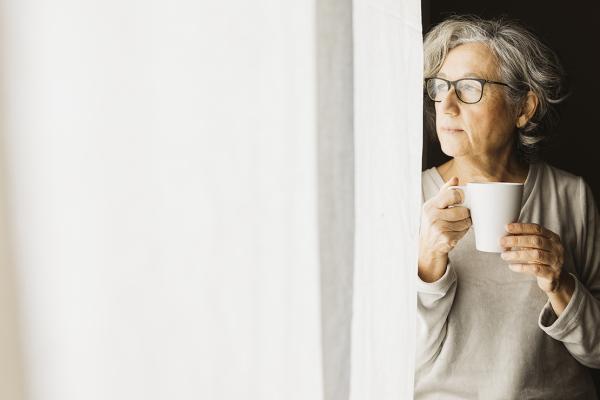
(523, 324)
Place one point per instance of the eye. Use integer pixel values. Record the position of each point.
(437, 89)
(437, 86)
(470, 86)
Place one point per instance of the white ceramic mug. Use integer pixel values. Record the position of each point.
(492, 206)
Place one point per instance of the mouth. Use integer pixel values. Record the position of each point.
(450, 130)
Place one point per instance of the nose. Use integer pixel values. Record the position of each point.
(449, 105)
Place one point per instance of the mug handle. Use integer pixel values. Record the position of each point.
(465, 202)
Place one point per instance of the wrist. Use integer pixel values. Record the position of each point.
(432, 268)
(562, 294)
(565, 285)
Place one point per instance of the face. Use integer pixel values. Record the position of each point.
(484, 129)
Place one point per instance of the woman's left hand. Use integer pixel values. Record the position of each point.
(539, 252)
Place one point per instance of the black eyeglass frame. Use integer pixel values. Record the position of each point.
(449, 84)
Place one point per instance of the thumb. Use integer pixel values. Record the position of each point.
(451, 182)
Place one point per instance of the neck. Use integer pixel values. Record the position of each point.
(506, 168)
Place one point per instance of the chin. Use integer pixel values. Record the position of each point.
(452, 150)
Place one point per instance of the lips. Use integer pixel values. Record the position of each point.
(451, 130)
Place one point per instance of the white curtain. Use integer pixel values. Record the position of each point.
(388, 140)
(182, 183)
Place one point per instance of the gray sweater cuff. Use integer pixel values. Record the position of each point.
(559, 327)
(439, 287)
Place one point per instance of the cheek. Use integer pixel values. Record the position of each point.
(501, 126)
(491, 122)
(436, 112)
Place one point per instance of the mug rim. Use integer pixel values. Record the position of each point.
(496, 183)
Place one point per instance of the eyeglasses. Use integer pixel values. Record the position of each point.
(468, 90)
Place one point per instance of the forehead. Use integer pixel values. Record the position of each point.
(469, 60)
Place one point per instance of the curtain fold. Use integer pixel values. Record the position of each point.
(388, 137)
(336, 190)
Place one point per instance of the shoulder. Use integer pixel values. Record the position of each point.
(554, 196)
(560, 190)
(564, 195)
(558, 180)
(550, 171)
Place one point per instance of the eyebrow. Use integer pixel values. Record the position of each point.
(467, 75)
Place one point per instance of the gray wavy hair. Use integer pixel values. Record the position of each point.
(524, 62)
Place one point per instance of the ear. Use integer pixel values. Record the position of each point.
(527, 110)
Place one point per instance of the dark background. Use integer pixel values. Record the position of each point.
(573, 33)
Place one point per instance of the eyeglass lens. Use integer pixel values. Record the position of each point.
(467, 90)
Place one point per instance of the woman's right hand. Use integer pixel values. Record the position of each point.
(441, 229)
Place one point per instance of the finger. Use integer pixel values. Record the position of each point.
(527, 241)
(539, 270)
(452, 214)
(458, 226)
(519, 228)
(453, 181)
(529, 256)
(454, 237)
(448, 197)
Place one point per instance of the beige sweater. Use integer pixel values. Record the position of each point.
(486, 332)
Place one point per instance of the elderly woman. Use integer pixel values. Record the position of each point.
(523, 324)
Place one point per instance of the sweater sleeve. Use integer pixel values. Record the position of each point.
(577, 326)
(434, 301)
